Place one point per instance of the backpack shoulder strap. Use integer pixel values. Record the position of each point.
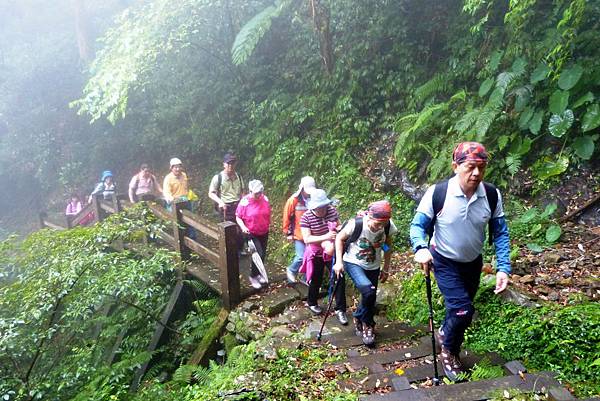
(358, 225)
(492, 197)
(438, 199)
(387, 228)
(219, 182)
(239, 177)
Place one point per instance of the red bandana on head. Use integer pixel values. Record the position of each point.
(380, 210)
(469, 151)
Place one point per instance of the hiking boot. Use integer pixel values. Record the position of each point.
(341, 317)
(315, 309)
(368, 335)
(440, 337)
(291, 277)
(358, 327)
(254, 282)
(453, 368)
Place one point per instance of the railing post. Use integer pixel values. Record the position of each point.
(179, 228)
(229, 268)
(99, 213)
(116, 204)
(43, 216)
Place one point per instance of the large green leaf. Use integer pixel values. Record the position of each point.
(553, 233)
(558, 101)
(535, 247)
(591, 119)
(570, 77)
(560, 124)
(535, 124)
(540, 73)
(518, 66)
(548, 167)
(584, 147)
(587, 98)
(485, 87)
(525, 117)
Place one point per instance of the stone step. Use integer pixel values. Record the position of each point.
(420, 350)
(417, 373)
(471, 391)
(384, 333)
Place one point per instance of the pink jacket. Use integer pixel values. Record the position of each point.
(255, 213)
(312, 251)
(73, 209)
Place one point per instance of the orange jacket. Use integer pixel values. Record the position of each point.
(292, 213)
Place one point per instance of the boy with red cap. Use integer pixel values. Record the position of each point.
(359, 247)
(454, 214)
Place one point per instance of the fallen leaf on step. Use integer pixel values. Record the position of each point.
(521, 375)
(377, 383)
(363, 381)
(408, 355)
(507, 395)
(399, 371)
(349, 368)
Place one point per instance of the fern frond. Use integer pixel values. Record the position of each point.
(440, 83)
(504, 79)
(183, 374)
(513, 163)
(484, 121)
(247, 39)
(201, 375)
(467, 121)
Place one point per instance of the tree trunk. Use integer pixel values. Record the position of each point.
(321, 19)
(83, 31)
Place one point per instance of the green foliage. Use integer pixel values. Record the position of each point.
(251, 33)
(410, 303)
(561, 339)
(58, 295)
(534, 228)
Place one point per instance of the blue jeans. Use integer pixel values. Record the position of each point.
(458, 283)
(366, 282)
(297, 261)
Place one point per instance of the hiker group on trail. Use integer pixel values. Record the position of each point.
(447, 235)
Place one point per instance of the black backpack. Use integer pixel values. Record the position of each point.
(358, 227)
(439, 197)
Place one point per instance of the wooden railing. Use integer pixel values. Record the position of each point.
(225, 256)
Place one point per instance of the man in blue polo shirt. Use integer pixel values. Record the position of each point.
(457, 242)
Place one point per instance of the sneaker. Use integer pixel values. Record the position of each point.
(254, 282)
(453, 368)
(341, 317)
(315, 309)
(358, 327)
(291, 277)
(368, 335)
(261, 279)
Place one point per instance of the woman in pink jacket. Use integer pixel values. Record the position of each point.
(253, 215)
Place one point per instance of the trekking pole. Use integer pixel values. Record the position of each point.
(335, 287)
(331, 296)
(436, 378)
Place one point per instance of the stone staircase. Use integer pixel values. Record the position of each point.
(399, 367)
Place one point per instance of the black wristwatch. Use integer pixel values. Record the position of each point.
(421, 247)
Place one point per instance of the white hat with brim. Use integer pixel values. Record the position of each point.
(318, 198)
(255, 186)
(174, 162)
